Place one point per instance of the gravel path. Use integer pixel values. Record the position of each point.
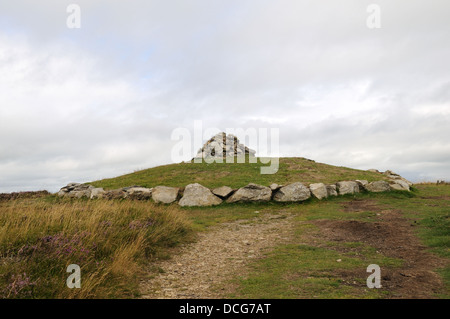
(218, 255)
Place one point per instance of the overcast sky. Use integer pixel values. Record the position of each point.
(78, 105)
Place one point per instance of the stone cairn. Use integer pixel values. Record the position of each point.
(198, 195)
(223, 145)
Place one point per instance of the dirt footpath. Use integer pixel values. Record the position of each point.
(219, 254)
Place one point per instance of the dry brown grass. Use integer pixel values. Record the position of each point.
(109, 240)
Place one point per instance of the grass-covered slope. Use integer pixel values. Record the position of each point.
(291, 169)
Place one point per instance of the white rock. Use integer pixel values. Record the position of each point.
(140, 193)
(378, 186)
(395, 176)
(79, 194)
(251, 193)
(295, 192)
(198, 195)
(165, 194)
(223, 191)
(76, 190)
(347, 187)
(97, 193)
(319, 190)
(62, 193)
(331, 189)
(398, 184)
(275, 186)
(362, 183)
(73, 184)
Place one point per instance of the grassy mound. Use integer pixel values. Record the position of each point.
(291, 169)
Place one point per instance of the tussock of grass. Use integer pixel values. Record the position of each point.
(109, 240)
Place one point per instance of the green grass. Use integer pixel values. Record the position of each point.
(302, 271)
(235, 175)
(204, 217)
(311, 271)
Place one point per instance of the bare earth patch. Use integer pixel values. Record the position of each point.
(219, 254)
(393, 236)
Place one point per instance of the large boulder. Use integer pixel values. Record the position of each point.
(251, 193)
(319, 190)
(398, 184)
(198, 195)
(295, 192)
(378, 186)
(79, 194)
(362, 183)
(275, 186)
(97, 193)
(115, 194)
(223, 191)
(165, 194)
(347, 187)
(332, 190)
(395, 176)
(76, 190)
(64, 191)
(138, 193)
(72, 186)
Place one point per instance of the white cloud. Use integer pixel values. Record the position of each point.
(60, 116)
(77, 105)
